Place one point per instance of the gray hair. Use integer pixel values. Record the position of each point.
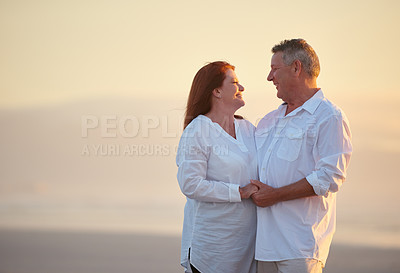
(298, 49)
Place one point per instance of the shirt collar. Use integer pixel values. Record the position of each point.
(310, 105)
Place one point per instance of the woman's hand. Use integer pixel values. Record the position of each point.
(248, 190)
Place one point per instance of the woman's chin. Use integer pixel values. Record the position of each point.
(240, 104)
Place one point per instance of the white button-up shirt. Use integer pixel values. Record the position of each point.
(312, 142)
(219, 227)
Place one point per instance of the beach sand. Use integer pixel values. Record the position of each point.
(101, 252)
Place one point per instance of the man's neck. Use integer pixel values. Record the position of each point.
(302, 96)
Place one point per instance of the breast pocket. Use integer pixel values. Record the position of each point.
(291, 144)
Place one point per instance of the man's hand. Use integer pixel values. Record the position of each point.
(266, 196)
(247, 191)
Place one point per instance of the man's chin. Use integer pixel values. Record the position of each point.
(279, 96)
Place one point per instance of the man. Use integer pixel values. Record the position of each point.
(304, 149)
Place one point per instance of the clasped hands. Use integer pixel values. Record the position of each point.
(262, 194)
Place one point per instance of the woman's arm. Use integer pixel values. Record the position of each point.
(192, 160)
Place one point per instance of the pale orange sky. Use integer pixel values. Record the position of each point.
(68, 50)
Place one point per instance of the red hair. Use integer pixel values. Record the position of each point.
(208, 78)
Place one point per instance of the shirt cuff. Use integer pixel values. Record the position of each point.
(319, 187)
(234, 194)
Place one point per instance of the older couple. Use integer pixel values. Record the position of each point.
(265, 194)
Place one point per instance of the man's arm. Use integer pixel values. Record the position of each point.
(267, 196)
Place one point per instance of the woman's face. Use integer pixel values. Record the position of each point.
(231, 91)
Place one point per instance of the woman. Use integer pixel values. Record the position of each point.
(216, 160)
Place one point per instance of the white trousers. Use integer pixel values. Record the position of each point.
(290, 266)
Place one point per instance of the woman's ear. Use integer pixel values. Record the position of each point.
(217, 93)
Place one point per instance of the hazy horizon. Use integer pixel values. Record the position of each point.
(99, 182)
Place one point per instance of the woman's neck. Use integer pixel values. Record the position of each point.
(225, 120)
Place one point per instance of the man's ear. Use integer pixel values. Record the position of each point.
(217, 93)
(297, 67)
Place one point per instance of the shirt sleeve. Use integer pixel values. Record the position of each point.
(192, 157)
(331, 154)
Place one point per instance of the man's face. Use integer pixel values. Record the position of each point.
(280, 75)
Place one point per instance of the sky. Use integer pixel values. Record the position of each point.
(64, 60)
(54, 51)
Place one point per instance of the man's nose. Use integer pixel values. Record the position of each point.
(270, 77)
(241, 87)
